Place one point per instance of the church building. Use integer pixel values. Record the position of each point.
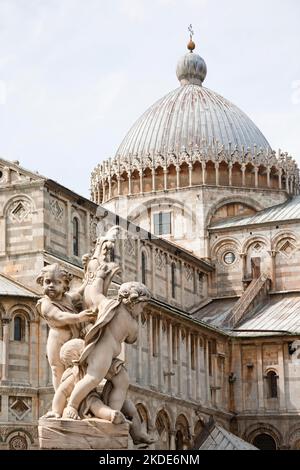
(210, 217)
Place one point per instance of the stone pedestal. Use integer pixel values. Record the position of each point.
(82, 435)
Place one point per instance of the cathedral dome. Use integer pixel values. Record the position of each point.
(192, 137)
(191, 117)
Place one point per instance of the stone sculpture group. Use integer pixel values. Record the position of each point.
(86, 332)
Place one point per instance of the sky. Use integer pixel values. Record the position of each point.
(76, 74)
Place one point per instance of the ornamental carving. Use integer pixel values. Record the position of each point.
(56, 209)
(19, 407)
(20, 211)
(18, 443)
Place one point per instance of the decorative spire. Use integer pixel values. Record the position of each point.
(191, 45)
(191, 68)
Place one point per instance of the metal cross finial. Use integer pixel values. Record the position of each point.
(190, 28)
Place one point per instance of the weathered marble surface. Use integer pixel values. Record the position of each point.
(82, 434)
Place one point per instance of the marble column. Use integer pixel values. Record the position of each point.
(198, 369)
(217, 169)
(179, 362)
(256, 176)
(177, 177)
(139, 357)
(5, 348)
(190, 175)
(150, 349)
(230, 173)
(160, 354)
(188, 363)
(281, 380)
(129, 184)
(243, 174)
(153, 179)
(165, 179)
(33, 327)
(173, 439)
(141, 182)
(280, 178)
(170, 358)
(203, 164)
(207, 376)
(268, 177)
(260, 379)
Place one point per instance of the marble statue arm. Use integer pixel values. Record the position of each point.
(60, 318)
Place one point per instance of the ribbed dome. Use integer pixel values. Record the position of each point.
(189, 117)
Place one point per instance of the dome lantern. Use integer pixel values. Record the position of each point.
(191, 68)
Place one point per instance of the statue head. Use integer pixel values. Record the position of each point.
(134, 295)
(70, 352)
(55, 280)
(106, 243)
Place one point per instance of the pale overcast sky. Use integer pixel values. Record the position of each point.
(76, 74)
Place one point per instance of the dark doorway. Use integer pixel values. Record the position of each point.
(264, 442)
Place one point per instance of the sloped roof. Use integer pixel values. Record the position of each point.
(14, 289)
(217, 438)
(280, 315)
(289, 210)
(215, 312)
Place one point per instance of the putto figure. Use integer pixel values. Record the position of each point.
(116, 323)
(57, 308)
(83, 348)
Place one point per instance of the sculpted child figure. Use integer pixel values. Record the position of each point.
(57, 308)
(95, 405)
(92, 405)
(116, 323)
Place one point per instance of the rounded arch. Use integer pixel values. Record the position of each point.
(13, 199)
(163, 428)
(23, 309)
(19, 432)
(144, 416)
(254, 239)
(263, 428)
(271, 376)
(281, 236)
(244, 200)
(183, 436)
(293, 439)
(224, 241)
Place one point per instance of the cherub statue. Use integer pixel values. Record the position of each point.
(57, 308)
(95, 404)
(116, 323)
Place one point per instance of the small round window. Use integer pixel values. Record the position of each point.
(229, 258)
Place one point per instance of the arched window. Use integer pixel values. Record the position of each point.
(75, 237)
(264, 442)
(272, 384)
(144, 267)
(173, 280)
(19, 328)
